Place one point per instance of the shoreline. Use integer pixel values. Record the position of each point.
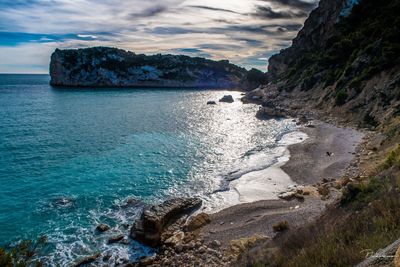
(229, 233)
(307, 166)
(258, 184)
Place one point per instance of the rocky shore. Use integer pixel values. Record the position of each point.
(323, 167)
(222, 238)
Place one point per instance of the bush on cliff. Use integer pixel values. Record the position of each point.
(23, 254)
(341, 98)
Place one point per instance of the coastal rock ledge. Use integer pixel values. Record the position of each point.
(155, 220)
(112, 67)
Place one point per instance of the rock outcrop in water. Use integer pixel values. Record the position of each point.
(103, 66)
(154, 220)
(227, 99)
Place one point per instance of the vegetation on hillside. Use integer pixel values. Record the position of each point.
(365, 43)
(367, 220)
(121, 61)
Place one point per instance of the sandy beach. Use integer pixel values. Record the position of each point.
(308, 170)
(309, 162)
(308, 165)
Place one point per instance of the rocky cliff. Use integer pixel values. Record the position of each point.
(344, 66)
(103, 66)
(344, 61)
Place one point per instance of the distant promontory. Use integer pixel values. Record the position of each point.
(112, 67)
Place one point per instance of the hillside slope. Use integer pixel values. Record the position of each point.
(344, 64)
(345, 61)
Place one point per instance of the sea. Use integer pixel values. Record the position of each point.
(71, 158)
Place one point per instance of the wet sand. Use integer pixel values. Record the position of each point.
(309, 163)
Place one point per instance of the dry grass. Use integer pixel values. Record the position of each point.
(367, 219)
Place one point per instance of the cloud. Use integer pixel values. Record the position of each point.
(149, 12)
(87, 36)
(306, 6)
(268, 12)
(16, 38)
(242, 31)
(214, 9)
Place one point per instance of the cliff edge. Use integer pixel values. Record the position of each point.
(112, 67)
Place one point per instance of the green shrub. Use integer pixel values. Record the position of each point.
(371, 30)
(23, 254)
(341, 98)
(393, 159)
(349, 240)
(356, 195)
(370, 120)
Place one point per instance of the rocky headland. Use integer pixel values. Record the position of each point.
(340, 81)
(112, 67)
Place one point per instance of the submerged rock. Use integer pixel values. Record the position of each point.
(131, 203)
(63, 202)
(87, 260)
(227, 99)
(102, 227)
(155, 220)
(115, 239)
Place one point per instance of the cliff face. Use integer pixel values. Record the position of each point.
(318, 28)
(102, 66)
(345, 61)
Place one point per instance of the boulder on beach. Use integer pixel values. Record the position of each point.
(227, 99)
(238, 246)
(303, 119)
(269, 113)
(211, 102)
(260, 94)
(197, 221)
(176, 239)
(154, 220)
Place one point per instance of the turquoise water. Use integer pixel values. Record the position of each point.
(70, 158)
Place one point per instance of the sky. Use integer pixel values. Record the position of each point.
(245, 32)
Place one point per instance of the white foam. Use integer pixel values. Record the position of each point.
(259, 184)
